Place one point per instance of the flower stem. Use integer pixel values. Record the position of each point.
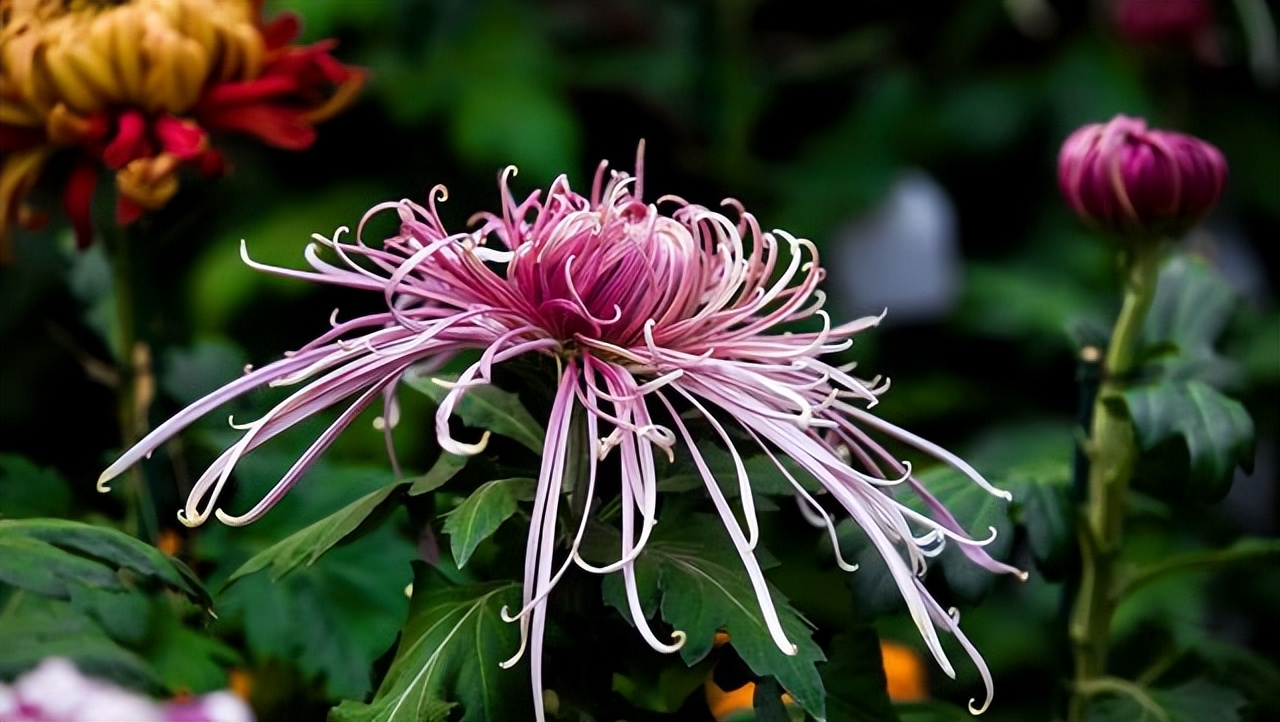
(136, 384)
(1112, 452)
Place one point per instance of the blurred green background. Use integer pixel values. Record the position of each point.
(914, 142)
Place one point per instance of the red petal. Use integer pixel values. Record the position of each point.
(281, 31)
(127, 211)
(182, 138)
(281, 127)
(77, 199)
(211, 163)
(130, 141)
(244, 92)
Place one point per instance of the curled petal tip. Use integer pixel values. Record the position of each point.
(188, 521)
(104, 481)
(461, 449)
(229, 520)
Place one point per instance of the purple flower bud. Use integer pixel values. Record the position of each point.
(1123, 177)
(1164, 21)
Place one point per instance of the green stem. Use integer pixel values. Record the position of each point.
(133, 394)
(1101, 685)
(1112, 452)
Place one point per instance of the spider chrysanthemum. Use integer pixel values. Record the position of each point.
(659, 314)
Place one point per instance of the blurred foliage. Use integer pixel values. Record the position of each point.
(808, 114)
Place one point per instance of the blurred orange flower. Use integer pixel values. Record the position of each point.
(903, 671)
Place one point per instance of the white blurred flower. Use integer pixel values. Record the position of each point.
(55, 691)
(904, 255)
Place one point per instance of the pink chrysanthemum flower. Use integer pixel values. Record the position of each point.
(651, 314)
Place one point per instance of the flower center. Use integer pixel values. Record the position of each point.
(603, 273)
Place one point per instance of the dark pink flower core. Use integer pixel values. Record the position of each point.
(1124, 177)
(604, 270)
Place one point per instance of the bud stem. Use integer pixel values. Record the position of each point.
(1112, 452)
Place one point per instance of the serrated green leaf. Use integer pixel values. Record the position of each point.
(449, 654)
(483, 512)
(1217, 431)
(697, 574)
(486, 407)
(306, 546)
(1191, 308)
(109, 548)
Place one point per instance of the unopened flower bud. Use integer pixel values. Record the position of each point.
(1124, 177)
(1163, 21)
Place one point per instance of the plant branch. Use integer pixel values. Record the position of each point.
(1102, 685)
(1243, 551)
(1112, 452)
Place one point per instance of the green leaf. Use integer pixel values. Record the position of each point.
(872, 585)
(703, 588)
(486, 407)
(1042, 495)
(334, 619)
(27, 490)
(980, 512)
(445, 468)
(309, 544)
(856, 679)
(184, 658)
(931, 711)
(72, 548)
(1216, 430)
(1195, 701)
(1191, 308)
(31, 564)
(483, 512)
(663, 690)
(449, 654)
(35, 628)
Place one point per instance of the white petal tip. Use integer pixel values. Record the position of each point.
(454, 447)
(188, 521)
(978, 710)
(104, 483)
(229, 520)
